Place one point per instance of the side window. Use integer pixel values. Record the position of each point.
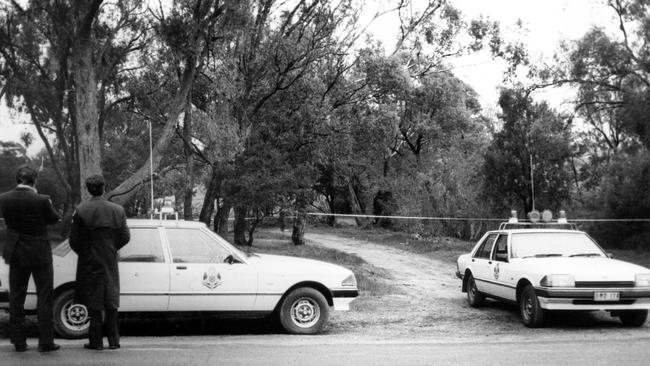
(144, 246)
(190, 245)
(486, 248)
(501, 250)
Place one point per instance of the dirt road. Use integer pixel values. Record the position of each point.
(426, 302)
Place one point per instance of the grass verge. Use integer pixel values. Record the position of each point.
(371, 280)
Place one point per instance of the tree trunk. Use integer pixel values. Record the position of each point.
(355, 204)
(87, 115)
(239, 226)
(189, 158)
(298, 233)
(127, 189)
(211, 192)
(221, 218)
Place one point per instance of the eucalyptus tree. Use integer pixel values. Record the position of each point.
(526, 164)
(279, 45)
(61, 62)
(609, 67)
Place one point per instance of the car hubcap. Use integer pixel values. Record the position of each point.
(305, 312)
(75, 316)
(528, 307)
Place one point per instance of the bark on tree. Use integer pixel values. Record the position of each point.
(127, 189)
(355, 204)
(221, 218)
(189, 165)
(298, 232)
(87, 114)
(211, 193)
(239, 226)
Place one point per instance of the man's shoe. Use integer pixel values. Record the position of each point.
(20, 347)
(113, 346)
(90, 346)
(48, 347)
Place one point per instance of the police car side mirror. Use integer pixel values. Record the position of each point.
(230, 259)
(610, 255)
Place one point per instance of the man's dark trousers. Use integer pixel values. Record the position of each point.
(18, 281)
(95, 330)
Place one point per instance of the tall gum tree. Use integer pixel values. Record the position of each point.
(60, 63)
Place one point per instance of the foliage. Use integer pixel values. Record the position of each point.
(532, 132)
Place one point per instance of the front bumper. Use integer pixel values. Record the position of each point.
(583, 299)
(343, 297)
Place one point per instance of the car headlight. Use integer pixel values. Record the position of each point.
(349, 281)
(558, 280)
(642, 279)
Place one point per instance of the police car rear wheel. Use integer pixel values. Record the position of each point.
(70, 319)
(304, 311)
(474, 297)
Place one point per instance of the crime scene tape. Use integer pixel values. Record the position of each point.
(461, 218)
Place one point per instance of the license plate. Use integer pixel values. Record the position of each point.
(606, 296)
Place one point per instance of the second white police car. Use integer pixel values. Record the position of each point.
(182, 266)
(545, 269)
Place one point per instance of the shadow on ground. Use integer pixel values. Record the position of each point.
(155, 325)
(559, 319)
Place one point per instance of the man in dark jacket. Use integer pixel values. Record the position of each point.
(28, 252)
(98, 231)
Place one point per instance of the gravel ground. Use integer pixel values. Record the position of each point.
(429, 304)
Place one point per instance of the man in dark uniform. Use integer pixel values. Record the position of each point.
(28, 252)
(98, 231)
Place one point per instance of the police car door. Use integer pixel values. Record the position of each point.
(144, 272)
(201, 280)
(504, 286)
(482, 264)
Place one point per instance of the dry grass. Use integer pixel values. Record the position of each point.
(370, 279)
(442, 248)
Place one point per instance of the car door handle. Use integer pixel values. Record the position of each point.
(181, 267)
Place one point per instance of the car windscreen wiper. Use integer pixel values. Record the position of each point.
(544, 255)
(586, 255)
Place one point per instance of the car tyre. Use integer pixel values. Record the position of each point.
(633, 318)
(304, 311)
(474, 297)
(71, 320)
(532, 314)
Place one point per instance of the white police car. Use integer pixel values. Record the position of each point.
(544, 269)
(182, 266)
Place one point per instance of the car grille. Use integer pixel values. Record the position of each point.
(592, 302)
(604, 284)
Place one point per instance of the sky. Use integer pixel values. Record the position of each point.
(547, 21)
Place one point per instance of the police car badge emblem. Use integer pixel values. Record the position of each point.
(496, 272)
(212, 278)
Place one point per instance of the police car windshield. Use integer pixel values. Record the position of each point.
(538, 244)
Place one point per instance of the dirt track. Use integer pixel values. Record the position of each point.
(427, 303)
